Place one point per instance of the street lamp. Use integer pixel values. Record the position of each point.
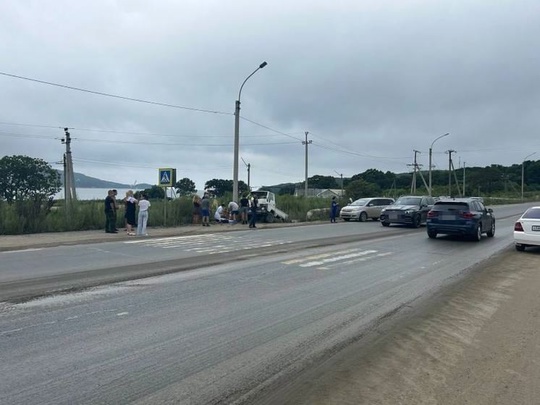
(430, 154)
(237, 134)
(523, 173)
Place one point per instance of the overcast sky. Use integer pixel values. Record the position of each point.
(370, 81)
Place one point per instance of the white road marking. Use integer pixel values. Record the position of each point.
(294, 261)
(22, 250)
(205, 244)
(337, 258)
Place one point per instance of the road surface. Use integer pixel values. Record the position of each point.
(247, 328)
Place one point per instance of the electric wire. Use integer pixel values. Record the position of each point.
(99, 93)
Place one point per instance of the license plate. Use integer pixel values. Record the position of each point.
(535, 228)
(448, 217)
(392, 216)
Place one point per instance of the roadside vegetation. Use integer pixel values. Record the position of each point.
(27, 187)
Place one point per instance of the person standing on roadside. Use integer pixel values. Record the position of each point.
(115, 193)
(131, 208)
(244, 207)
(196, 209)
(110, 213)
(205, 210)
(144, 204)
(334, 206)
(254, 206)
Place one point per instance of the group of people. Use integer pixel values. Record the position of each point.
(232, 214)
(133, 220)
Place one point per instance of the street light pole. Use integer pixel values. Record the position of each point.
(237, 134)
(430, 154)
(523, 173)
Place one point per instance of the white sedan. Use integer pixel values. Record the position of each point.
(527, 229)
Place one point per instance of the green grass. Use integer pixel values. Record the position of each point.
(24, 218)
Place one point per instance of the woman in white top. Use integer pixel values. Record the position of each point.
(144, 204)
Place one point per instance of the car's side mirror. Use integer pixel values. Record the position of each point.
(490, 210)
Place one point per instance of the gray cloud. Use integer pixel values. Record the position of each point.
(370, 81)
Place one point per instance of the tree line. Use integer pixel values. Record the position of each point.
(23, 178)
(28, 187)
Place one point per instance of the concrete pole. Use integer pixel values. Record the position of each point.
(306, 142)
(430, 155)
(523, 174)
(237, 134)
(450, 172)
(463, 178)
(236, 147)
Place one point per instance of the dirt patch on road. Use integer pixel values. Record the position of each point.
(478, 343)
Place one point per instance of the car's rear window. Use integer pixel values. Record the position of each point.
(408, 201)
(450, 206)
(532, 213)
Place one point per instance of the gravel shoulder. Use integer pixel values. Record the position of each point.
(476, 342)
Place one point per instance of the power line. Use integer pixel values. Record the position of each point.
(357, 153)
(99, 93)
(141, 142)
(137, 133)
(123, 164)
(271, 129)
(180, 144)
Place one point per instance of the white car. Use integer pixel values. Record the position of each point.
(527, 229)
(364, 208)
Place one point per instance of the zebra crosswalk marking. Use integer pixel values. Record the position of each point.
(337, 258)
(204, 244)
(320, 256)
(363, 259)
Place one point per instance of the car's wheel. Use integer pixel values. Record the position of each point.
(384, 223)
(477, 236)
(363, 217)
(520, 248)
(432, 234)
(416, 221)
(491, 232)
(269, 218)
(346, 219)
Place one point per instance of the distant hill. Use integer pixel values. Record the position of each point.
(83, 181)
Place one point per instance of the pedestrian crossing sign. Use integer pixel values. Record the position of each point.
(167, 177)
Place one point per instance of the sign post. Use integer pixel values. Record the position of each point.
(166, 178)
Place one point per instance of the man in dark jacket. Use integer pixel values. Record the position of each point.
(110, 213)
(254, 205)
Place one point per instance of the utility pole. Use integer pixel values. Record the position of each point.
(523, 174)
(341, 175)
(248, 165)
(416, 166)
(430, 158)
(450, 171)
(69, 177)
(450, 151)
(306, 142)
(463, 178)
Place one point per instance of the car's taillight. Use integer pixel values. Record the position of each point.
(432, 214)
(467, 215)
(518, 227)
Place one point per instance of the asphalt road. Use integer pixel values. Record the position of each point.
(231, 330)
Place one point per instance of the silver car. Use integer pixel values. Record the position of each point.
(364, 208)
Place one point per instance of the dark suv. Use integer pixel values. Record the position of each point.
(460, 216)
(410, 210)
